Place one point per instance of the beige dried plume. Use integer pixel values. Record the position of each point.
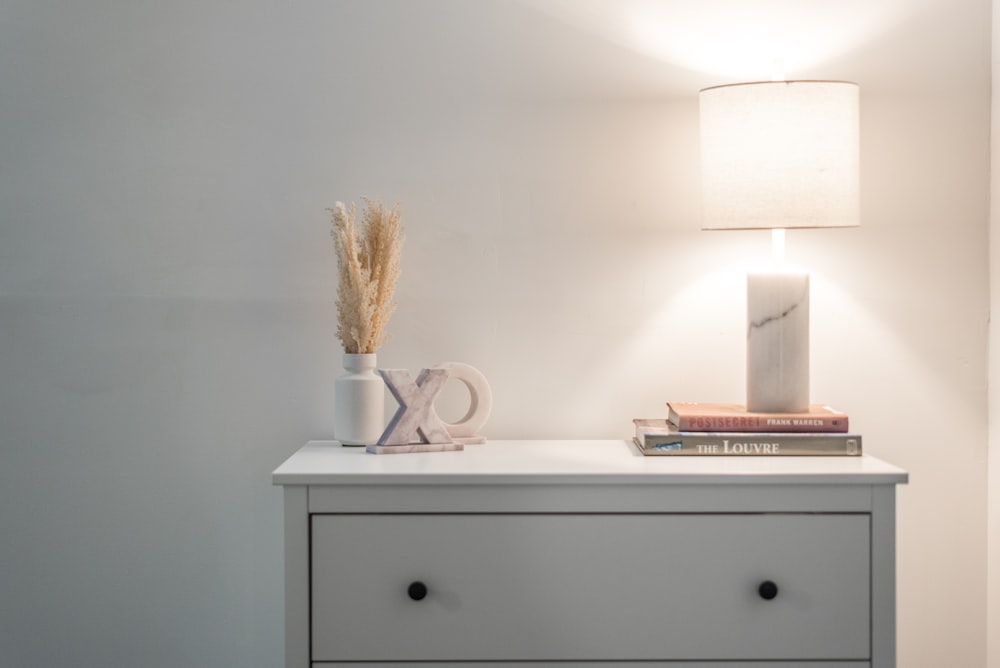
(367, 271)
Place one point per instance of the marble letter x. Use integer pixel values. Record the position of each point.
(416, 415)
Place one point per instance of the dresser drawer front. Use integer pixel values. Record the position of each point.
(608, 664)
(590, 587)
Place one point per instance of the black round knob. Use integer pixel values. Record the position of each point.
(417, 591)
(767, 590)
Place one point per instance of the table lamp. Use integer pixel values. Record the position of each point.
(777, 155)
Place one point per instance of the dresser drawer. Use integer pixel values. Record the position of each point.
(610, 664)
(613, 587)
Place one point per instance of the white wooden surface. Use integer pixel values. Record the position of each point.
(884, 576)
(590, 587)
(296, 576)
(530, 478)
(571, 462)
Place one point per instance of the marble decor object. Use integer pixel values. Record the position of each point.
(467, 429)
(413, 447)
(778, 341)
(415, 422)
(416, 426)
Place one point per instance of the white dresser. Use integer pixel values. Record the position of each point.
(548, 553)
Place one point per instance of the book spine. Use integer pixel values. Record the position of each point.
(769, 445)
(761, 424)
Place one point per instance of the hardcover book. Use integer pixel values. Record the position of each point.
(659, 437)
(690, 416)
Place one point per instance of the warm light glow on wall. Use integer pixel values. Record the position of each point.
(735, 39)
(746, 49)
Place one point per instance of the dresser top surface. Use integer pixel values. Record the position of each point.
(570, 462)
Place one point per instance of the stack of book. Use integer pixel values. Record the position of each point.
(729, 429)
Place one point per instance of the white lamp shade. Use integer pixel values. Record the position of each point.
(780, 154)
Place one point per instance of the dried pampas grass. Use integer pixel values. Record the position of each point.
(367, 271)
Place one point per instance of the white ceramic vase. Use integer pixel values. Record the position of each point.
(359, 401)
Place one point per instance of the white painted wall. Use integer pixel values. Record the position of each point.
(166, 281)
(993, 590)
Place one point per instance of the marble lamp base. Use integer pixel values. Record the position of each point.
(778, 341)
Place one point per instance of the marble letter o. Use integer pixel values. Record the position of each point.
(480, 400)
